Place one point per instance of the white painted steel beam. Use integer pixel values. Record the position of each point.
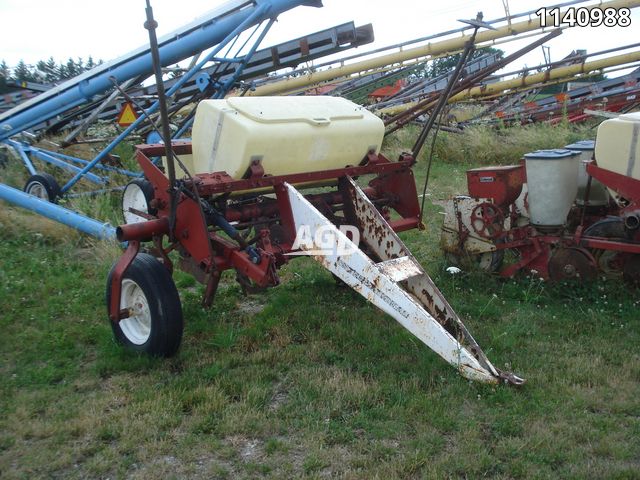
(415, 307)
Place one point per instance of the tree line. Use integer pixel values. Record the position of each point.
(44, 71)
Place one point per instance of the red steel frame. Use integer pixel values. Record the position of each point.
(205, 253)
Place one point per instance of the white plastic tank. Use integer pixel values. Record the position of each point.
(618, 146)
(552, 179)
(598, 194)
(186, 160)
(288, 134)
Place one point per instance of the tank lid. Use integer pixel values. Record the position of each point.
(556, 154)
(582, 145)
(315, 110)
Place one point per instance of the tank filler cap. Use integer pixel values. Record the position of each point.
(582, 145)
(556, 154)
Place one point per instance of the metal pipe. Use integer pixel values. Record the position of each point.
(402, 45)
(105, 168)
(151, 26)
(233, 78)
(549, 75)
(142, 230)
(430, 49)
(45, 157)
(60, 214)
(631, 222)
(422, 106)
(18, 147)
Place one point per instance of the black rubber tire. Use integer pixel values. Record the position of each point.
(45, 181)
(147, 189)
(164, 306)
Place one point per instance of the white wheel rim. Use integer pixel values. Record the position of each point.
(133, 197)
(485, 260)
(38, 190)
(137, 327)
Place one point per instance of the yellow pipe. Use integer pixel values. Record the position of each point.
(546, 76)
(579, 77)
(430, 49)
(408, 63)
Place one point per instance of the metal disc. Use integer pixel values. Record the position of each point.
(571, 264)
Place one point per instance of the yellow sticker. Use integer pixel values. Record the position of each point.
(127, 116)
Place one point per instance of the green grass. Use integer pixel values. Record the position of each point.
(307, 380)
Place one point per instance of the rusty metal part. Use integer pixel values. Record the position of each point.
(458, 236)
(212, 287)
(487, 220)
(572, 263)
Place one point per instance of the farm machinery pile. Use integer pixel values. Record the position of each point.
(568, 214)
(239, 205)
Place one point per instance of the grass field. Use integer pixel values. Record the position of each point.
(307, 380)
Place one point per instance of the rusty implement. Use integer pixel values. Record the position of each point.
(388, 276)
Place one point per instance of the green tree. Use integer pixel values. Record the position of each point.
(62, 72)
(22, 72)
(51, 75)
(4, 70)
(41, 71)
(72, 68)
(5, 75)
(443, 65)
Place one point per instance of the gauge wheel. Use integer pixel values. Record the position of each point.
(487, 262)
(490, 261)
(43, 186)
(137, 195)
(155, 323)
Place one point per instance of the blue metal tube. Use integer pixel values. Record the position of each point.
(25, 158)
(138, 63)
(185, 78)
(243, 62)
(45, 157)
(81, 161)
(56, 212)
(95, 193)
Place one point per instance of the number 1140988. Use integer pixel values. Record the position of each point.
(584, 17)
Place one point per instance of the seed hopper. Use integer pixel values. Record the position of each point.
(565, 214)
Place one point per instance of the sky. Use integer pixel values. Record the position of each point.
(37, 29)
